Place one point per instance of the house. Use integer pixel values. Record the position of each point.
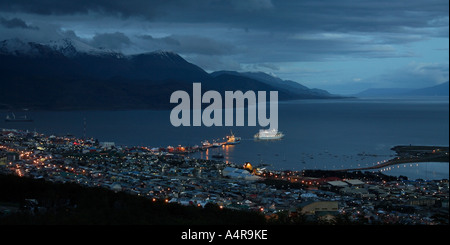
(355, 182)
(334, 185)
(236, 173)
(319, 208)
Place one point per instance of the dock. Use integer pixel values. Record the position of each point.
(411, 154)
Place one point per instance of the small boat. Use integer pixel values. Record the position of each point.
(170, 149)
(215, 145)
(13, 118)
(206, 144)
(233, 140)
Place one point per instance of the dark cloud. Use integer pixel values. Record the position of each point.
(389, 22)
(215, 63)
(146, 8)
(36, 33)
(316, 47)
(114, 41)
(190, 44)
(266, 66)
(251, 34)
(291, 15)
(66, 7)
(170, 41)
(15, 23)
(415, 75)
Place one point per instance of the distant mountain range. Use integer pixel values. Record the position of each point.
(277, 82)
(438, 90)
(68, 74)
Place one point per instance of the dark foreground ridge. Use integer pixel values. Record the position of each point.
(28, 201)
(71, 204)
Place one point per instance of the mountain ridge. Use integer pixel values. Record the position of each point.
(60, 76)
(269, 79)
(441, 89)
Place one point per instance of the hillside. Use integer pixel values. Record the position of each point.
(71, 204)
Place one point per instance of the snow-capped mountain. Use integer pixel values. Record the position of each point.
(73, 58)
(66, 47)
(18, 47)
(71, 74)
(72, 47)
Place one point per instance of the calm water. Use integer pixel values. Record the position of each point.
(325, 134)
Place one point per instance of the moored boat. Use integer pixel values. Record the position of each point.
(233, 140)
(13, 118)
(206, 144)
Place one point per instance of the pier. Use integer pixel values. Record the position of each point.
(411, 154)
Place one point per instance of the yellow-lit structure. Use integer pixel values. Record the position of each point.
(248, 166)
(3, 161)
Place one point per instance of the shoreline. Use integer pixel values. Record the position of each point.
(411, 154)
(341, 98)
(169, 178)
(405, 155)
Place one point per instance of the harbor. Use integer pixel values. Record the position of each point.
(205, 145)
(354, 141)
(172, 178)
(228, 140)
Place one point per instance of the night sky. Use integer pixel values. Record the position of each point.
(343, 46)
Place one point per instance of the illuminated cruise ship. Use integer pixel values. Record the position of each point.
(269, 134)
